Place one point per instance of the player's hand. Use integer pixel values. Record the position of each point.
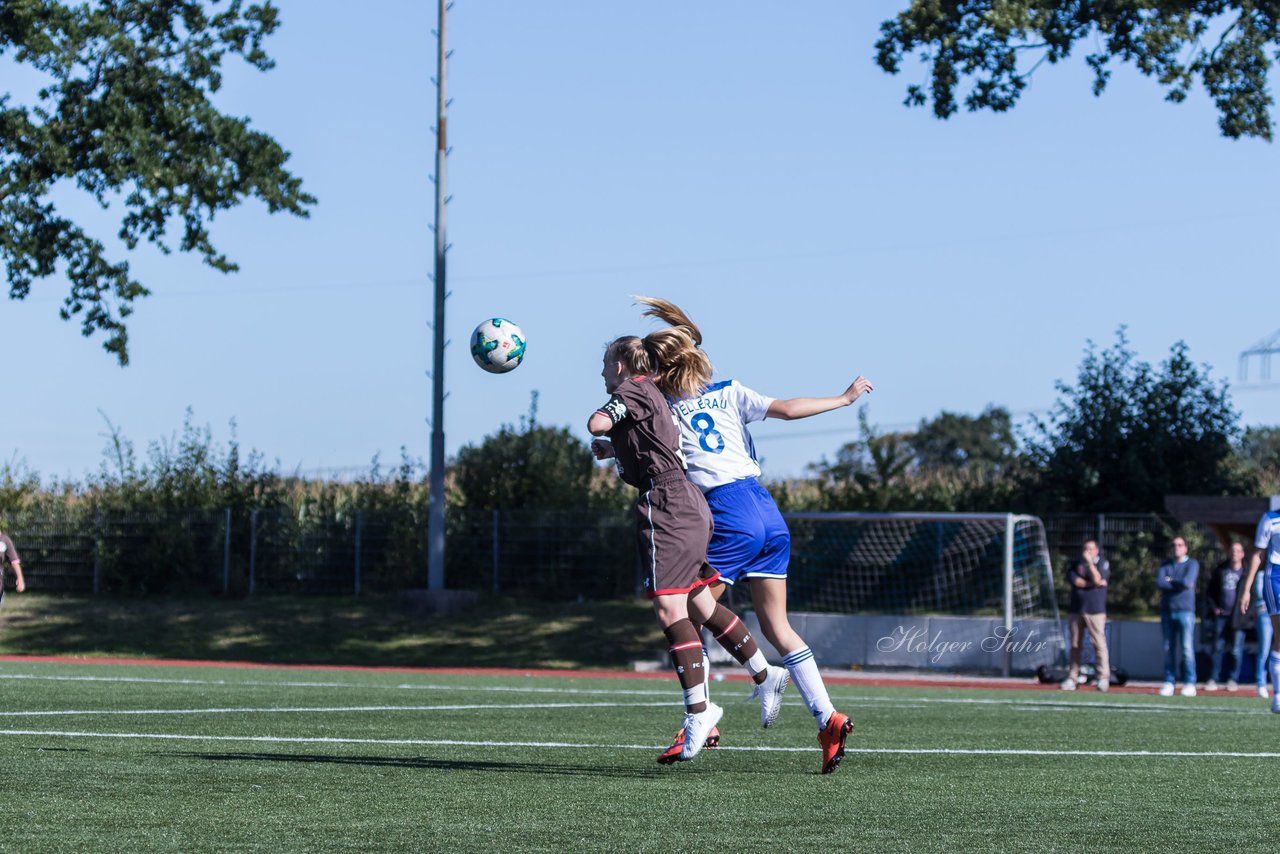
(20, 585)
(1244, 601)
(857, 388)
(602, 448)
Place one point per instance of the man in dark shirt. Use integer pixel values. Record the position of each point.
(1220, 609)
(1088, 579)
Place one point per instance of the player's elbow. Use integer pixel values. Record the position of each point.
(781, 409)
(598, 424)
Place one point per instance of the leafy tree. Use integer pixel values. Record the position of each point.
(996, 45)
(531, 467)
(956, 441)
(125, 116)
(1259, 449)
(1127, 435)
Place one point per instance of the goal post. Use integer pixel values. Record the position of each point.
(989, 571)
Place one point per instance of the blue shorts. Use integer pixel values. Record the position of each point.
(750, 539)
(1270, 588)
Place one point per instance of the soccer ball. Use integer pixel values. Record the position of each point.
(497, 345)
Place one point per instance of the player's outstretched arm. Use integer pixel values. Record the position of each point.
(803, 407)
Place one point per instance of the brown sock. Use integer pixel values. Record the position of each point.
(732, 634)
(686, 657)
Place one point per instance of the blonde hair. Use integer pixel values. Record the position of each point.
(680, 367)
(631, 352)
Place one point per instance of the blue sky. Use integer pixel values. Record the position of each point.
(748, 162)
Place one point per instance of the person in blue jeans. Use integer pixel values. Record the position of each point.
(1263, 628)
(1177, 582)
(1220, 615)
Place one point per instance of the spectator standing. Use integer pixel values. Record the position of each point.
(1088, 578)
(1177, 582)
(1220, 614)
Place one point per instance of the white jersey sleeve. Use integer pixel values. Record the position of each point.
(714, 436)
(1268, 536)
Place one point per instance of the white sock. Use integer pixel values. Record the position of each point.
(808, 681)
(706, 671)
(757, 663)
(1273, 667)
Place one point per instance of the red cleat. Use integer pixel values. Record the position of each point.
(832, 737)
(672, 753)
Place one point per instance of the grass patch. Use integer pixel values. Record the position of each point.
(192, 759)
(365, 630)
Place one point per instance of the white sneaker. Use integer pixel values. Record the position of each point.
(769, 693)
(697, 726)
(1211, 685)
(1166, 690)
(1275, 706)
(1189, 690)
(1232, 685)
(1067, 684)
(1262, 692)
(1104, 686)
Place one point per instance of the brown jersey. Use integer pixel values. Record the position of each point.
(673, 523)
(645, 437)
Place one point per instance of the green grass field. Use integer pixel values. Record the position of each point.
(98, 757)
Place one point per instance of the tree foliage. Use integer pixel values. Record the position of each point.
(532, 467)
(1126, 435)
(994, 46)
(125, 116)
(957, 441)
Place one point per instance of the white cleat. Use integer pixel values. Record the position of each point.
(1262, 692)
(1166, 690)
(769, 693)
(1189, 690)
(697, 726)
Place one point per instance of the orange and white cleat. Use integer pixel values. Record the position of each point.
(672, 753)
(832, 737)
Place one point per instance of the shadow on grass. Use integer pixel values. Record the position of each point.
(506, 767)
(367, 630)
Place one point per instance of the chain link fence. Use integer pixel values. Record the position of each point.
(545, 554)
(556, 555)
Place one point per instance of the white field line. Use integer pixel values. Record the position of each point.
(865, 701)
(470, 707)
(415, 742)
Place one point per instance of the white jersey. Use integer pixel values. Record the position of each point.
(713, 433)
(1268, 536)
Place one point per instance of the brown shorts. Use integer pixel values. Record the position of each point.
(673, 527)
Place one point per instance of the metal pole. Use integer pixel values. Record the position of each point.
(97, 552)
(359, 531)
(1008, 592)
(497, 555)
(226, 553)
(435, 513)
(253, 552)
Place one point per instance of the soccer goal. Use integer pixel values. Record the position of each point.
(946, 590)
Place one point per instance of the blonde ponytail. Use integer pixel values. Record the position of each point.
(680, 367)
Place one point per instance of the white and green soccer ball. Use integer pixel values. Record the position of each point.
(497, 345)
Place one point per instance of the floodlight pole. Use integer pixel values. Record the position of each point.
(435, 512)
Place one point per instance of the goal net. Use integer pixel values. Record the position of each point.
(992, 567)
